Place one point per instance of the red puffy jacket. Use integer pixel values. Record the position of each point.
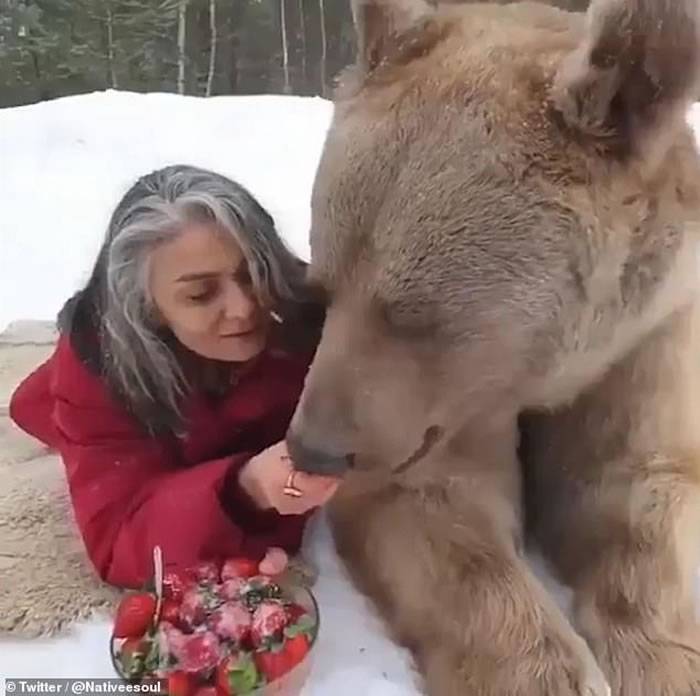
(131, 492)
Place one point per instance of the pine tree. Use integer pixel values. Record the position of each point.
(212, 48)
(50, 48)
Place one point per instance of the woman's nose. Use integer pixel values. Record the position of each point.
(240, 303)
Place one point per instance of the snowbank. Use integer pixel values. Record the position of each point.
(64, 164)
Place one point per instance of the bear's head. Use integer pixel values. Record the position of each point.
(504, 190)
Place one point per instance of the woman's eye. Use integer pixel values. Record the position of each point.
(202, 296)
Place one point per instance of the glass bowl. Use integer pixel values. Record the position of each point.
(289, 684)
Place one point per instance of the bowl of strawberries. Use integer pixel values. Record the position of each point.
(217, 630)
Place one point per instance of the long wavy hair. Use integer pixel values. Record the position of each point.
(111, 321)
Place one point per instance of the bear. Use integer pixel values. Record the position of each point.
(505, 226)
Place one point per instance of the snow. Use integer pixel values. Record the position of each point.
(63, 166)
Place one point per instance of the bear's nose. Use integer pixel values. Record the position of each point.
(312, 459)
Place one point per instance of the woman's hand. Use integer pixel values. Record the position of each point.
(264, 478)
(275, 561)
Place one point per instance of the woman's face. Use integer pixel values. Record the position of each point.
(202, 289)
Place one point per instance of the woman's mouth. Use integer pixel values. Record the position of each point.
(240, 334)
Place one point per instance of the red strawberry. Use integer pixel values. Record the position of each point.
(236, 674)
(170, 611)
(206, 572)
(269, 621)
(278, 661)
(199, 652)
(180, 684)
(206, 691)
(134, 615)
(238, 568)
(231, 621)
(232, 588)
(296, 649)
(176, 583)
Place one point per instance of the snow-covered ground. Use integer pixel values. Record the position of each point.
(63, 166)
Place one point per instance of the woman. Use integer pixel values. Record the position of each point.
(175, 376)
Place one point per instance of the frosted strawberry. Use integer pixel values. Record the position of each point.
(199, 652)
(198, 602)
(206, 572)
(231, 621)
(170, 641)
(176, 582)
(192, 609)
(269, 621)
(233, 588)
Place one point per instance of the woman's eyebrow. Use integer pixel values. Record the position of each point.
(204, 275)
(208, 275)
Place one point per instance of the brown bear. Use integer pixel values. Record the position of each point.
(504, 222)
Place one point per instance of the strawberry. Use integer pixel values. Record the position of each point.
(206, 572)
(170, 641)
(236, 674)
(180, 684)
(238, 568)
(134, 615)
(281, 659)
(232, 588)
(231, 621)
(206, 691)
(269, 621)
(199, 652)
(176, 583)
(197, 603)
(170, 611)
(296, 649)
(192, 611)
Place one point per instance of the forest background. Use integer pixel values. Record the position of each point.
(55, 48)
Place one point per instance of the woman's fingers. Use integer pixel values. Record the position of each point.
(313, 494)
(275, 561)
(312, 485)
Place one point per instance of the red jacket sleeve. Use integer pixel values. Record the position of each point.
(129, 494)
(31, 405)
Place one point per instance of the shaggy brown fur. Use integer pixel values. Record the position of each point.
(505, 221)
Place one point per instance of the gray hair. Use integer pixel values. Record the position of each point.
(138, 360)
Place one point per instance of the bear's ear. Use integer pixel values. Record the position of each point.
(389, 31)
(634, 74)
